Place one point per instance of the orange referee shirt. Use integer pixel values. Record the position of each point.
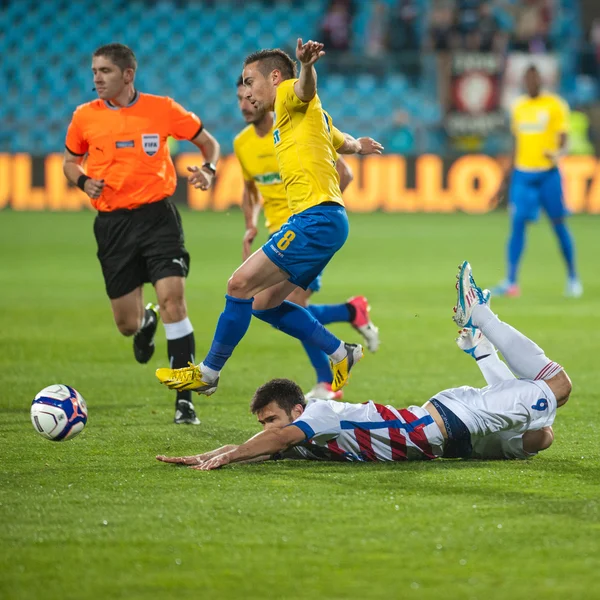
(127, 147)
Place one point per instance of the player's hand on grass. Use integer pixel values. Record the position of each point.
(308, 54)
(249, 237)
(200, 178)
(214, 463)
(369, 146)
(93, 187)
(196, 459)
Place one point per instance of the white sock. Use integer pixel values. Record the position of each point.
(339, 354)
(483, 348)
(174, 331)
(493, 369)
(208, 373)
(524, 357)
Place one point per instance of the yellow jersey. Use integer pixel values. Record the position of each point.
(259, 164)
(305, 145)
(537, 124)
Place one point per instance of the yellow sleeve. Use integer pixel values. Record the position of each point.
(560, 116)
(337, 138)
(245, 174)
(290, 99)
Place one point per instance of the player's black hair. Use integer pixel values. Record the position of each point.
(269, 60)
(284, 392)
(240, 81)
(120, 54)
(532, 67)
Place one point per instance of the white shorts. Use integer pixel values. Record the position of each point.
(516, 405)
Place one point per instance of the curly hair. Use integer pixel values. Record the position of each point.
(284, 392)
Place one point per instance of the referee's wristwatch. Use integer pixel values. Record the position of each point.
(210, 167)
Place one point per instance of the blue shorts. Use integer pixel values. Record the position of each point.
(307, 242)
(529, 191)
(315, 284)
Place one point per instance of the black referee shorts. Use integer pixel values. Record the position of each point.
(141, 245)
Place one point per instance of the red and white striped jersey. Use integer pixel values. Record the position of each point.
(366, 432)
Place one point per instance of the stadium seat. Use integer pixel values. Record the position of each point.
(194, 51)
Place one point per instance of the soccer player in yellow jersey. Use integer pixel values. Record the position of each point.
(305, 145)
(539, 124)
(255, 151)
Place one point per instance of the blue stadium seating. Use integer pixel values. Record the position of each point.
(193, 52)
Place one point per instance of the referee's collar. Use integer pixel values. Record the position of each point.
(136, 97)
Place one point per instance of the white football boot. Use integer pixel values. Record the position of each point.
(469, 295)
(323, 391)
(574, 288)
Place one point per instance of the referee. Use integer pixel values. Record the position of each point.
(129, 177)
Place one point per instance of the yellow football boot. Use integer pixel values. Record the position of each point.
(187, 378)
(341, 370)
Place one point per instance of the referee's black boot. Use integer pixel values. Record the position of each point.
(143, 340)
(185, 412)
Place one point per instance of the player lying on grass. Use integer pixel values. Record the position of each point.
(510, 418)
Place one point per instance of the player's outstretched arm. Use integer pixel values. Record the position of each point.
(308, 54)
(264, 444)
(363, 145)
(195, 459)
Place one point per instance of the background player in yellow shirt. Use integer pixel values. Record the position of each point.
(255, 151)
(539, 124)
(305, 144)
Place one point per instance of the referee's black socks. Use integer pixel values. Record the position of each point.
(181, 347)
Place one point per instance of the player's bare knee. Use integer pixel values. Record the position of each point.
(173, 309)
(127, 325)
(561, 387)
(238, 285)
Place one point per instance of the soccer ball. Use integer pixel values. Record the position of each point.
(58, 413)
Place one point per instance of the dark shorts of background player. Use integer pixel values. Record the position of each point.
(140, 245)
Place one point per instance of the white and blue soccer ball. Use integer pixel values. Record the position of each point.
(59, 413)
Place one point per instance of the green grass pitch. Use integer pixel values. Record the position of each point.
(98, 517)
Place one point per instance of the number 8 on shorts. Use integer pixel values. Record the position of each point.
(286, 239)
